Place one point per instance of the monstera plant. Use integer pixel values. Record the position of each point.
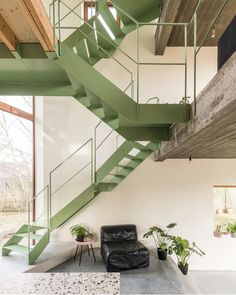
(161, 238)
(183, 251)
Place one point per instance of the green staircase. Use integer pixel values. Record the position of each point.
(31, 239)
(133, 121)
(84, 48)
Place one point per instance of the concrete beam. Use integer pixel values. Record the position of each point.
(163, 33)
(212, 132)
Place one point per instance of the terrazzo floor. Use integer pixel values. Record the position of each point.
(60, 283)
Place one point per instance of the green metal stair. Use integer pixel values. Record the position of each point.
(135, 122)
(112, 169)
(97, 93)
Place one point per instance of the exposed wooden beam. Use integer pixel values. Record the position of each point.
(168, 15)
(37, 18)
(6, 35)
(15, 111)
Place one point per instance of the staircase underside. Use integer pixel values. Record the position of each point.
(212, 133)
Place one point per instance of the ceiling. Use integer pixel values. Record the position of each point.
(183, 10)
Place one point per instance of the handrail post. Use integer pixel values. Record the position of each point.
(48, 213)
(95, 154)
(92, 162)
(186, 61)
(50, 198)
(137, 111)
(195, 64)
(54, 23)
(29, 228)
(59, 27)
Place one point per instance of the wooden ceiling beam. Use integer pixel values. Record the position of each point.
(37, 18)
(6, 35)
(163, 33)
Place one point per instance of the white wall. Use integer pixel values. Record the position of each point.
(157, 193)
(166, 82)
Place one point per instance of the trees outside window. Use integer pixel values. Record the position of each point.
(16, 162)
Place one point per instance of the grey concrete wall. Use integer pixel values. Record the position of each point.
(212, 132)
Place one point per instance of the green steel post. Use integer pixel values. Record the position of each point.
(137, 112)
(92, 163)
(29, 228)
(59, 25)
(186, 60)
(50, 198)
(54, 23)
(195, 65)
(48, 203)
(95, 154)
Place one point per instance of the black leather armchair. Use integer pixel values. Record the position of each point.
(120, 248)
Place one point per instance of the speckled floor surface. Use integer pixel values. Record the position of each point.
(60, 283)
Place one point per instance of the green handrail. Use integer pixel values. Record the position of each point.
(91, 162)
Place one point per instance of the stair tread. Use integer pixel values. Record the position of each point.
(36, 227)
(133, 158)
(125, 167)
(32, 236)
(17, 248)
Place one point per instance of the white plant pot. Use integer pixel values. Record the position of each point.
(233, 235)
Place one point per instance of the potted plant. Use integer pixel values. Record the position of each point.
(183, 251)
(217, 232)
(79, 231)
(161, 238)
(231, 228)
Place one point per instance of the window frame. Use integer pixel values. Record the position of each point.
(88, 4)
(5, 107)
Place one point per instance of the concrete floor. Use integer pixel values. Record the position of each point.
(214, 282)
(162, 277)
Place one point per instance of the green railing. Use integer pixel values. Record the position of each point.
(55, 10)
(137, 61)
(67, 171)
(108, 135)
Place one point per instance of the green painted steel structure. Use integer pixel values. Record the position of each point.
(29, 71)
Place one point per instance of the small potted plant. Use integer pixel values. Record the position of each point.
(161, 238)
(231, 228)
(217, 232)
(183, 251)
(79, 231)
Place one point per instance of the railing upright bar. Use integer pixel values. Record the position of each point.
(186, 61)
(195, 65)
(137, 110)
(92, 163)
(59, 25)
(95, 152)
(29, 228)
(54, 23)
(48, 212)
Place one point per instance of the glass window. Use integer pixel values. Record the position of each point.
(89, 11)
(16, 165)
(224, 210)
